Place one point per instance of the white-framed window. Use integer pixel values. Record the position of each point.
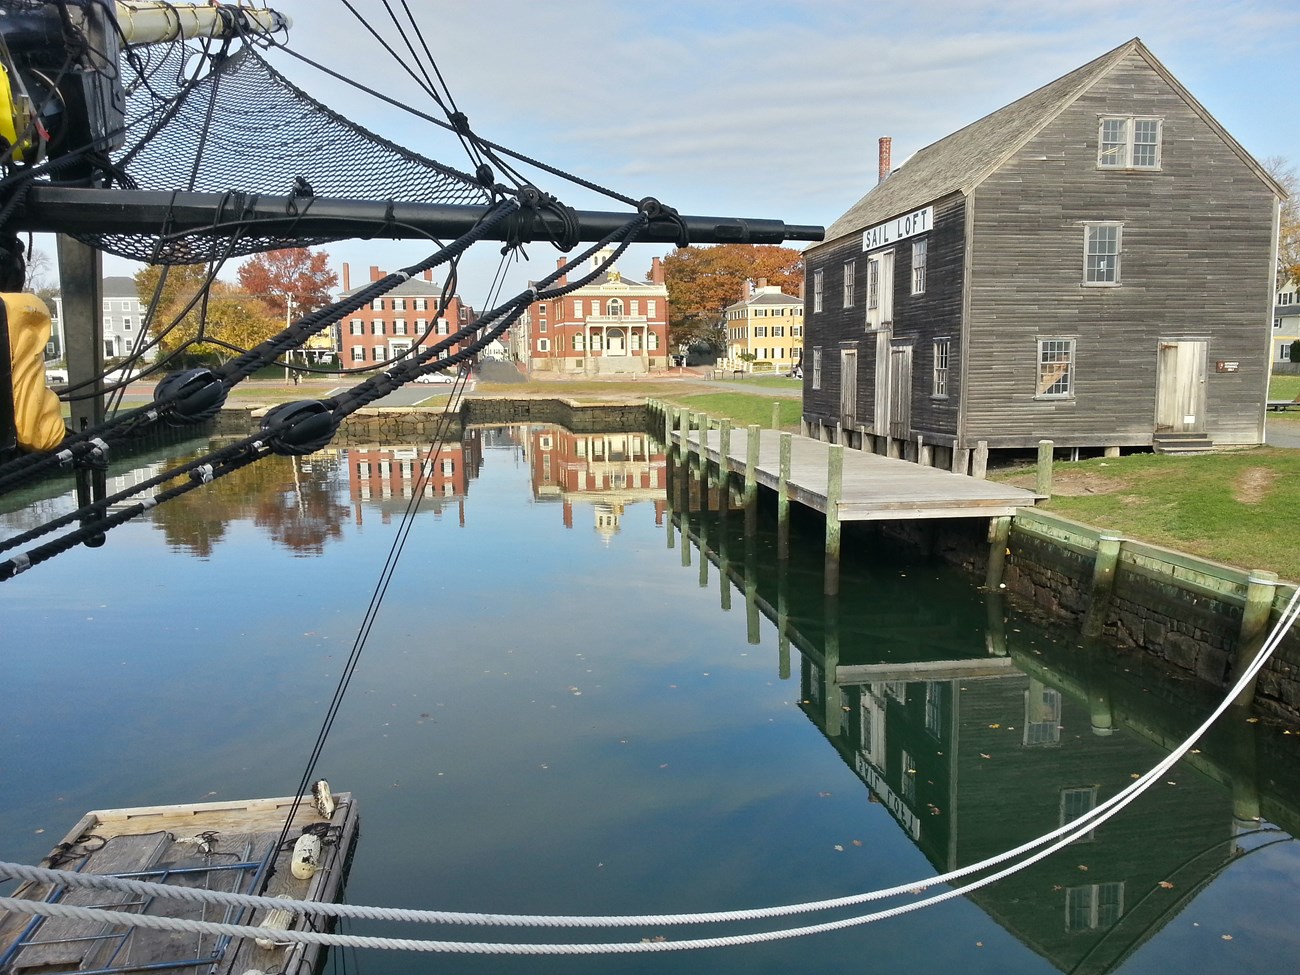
(541, 326)
(760, 331)
(358, 353)
(1284, 352)
(615, 307)
(579, 341)
(377, 304)
(920, 253)
(907, 777)
(377, 327)
(850, 269)
(443, 328)
(1042, 714)
(873, 284)
(1055, 369)
(934, 708)
(636, 307)
(126, 322)
(939, 386)
(399, 304)
(654, 340)
(577, 307)
(1093, 906)
(378, 354)
(816, 368)
(357, 327)
(399, 326)
(778, 331)
(1129, 142)
(421, 304)
(817, 291)
(1277, 323)
(448, 467)
(1285, 297)
(1101, 252)
(543, 345)
(1076, 801)
(650, 307)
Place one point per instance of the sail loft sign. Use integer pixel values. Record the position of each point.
(900, 228)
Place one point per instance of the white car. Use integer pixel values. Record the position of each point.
(435, 377)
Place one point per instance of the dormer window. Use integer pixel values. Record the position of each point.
(1129, 143)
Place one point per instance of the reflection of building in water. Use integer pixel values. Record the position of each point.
(971, 766)
(388, 477)
(607, 470)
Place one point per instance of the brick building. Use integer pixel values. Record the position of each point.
(615, 325)
(399, 320)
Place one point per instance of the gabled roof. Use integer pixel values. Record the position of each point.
(767, 297)
(119, 286)
(960, 162)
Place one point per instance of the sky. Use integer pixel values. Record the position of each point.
(762, 109)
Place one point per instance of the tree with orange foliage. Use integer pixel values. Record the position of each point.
(702, 281)
(296, 273)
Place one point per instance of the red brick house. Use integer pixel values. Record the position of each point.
(394, 323)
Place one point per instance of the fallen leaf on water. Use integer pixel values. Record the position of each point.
(1166, 885)
(979, 944)
(1083, 866)
(1057, 887)
(658, 937)
(1248, 721)
(1134, 775)
(982, 755)
(1226, 937)
(839, 848)
(995, 725)
(823, 795)
(857, 842)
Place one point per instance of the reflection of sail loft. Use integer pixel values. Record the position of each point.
(80, 210)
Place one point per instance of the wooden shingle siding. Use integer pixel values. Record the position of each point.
(835, 326)
(1195, 252)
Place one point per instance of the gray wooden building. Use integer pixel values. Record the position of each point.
(1091, 264)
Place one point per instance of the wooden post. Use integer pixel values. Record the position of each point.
(724, 564)
(783, 499)
(686, 537)
(751, 480)
(1261, 589)
(834, 717)
(1043, 483)
(960, 460)
(668, 427)
(979, 461)
(704, 550)
(1103, 584)
(924, 453)
(751, 590)
(834, 487)
(684, 427)
(999, 533)
(783, 620)
(995, 615)
(776, 414)
(724, 445)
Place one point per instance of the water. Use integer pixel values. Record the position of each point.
(555, 713)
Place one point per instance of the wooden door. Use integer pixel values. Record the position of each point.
(848, 388)
(900, 391)
(1180, 387)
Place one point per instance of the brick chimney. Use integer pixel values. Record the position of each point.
(428, 274)
(886, 147)
(347, 278)
(375, 273)
(656, 271)
(559, 266)
(762, 283)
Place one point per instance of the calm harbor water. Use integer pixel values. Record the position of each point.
(581, 698)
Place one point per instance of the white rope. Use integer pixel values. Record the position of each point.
(1063, 836)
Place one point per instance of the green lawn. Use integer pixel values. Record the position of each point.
(1284, 387)
(1237, 507)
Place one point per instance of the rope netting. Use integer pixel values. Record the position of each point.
(243, 126)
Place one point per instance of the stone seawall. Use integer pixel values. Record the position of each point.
(1184, 611)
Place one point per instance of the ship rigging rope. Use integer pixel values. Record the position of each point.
(1063, 836)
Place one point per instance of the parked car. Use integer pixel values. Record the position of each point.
(435, 377)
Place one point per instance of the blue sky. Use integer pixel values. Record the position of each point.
(766, 109)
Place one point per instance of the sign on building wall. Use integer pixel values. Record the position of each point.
(900, 228)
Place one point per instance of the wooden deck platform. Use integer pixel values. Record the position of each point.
(166, 844)
(874, 488)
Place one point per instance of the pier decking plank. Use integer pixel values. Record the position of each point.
(873, 488)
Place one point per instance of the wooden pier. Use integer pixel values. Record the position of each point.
(871, 488)
(842, 485)
(220, 846)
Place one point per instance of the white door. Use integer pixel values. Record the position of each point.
(615, 342)
(1180, 387)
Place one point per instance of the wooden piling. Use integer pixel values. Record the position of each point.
(999, 533)
(783, 499)
(960, 460)
(834, 488)
(979, 460)
(1043, 482)
(1261, 590)
(776, 414)
(1103, 584)
(783, 620)
(724, 445)
(751, 479)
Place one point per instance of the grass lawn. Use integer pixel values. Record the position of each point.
(1284, 387)
(1236, 507)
